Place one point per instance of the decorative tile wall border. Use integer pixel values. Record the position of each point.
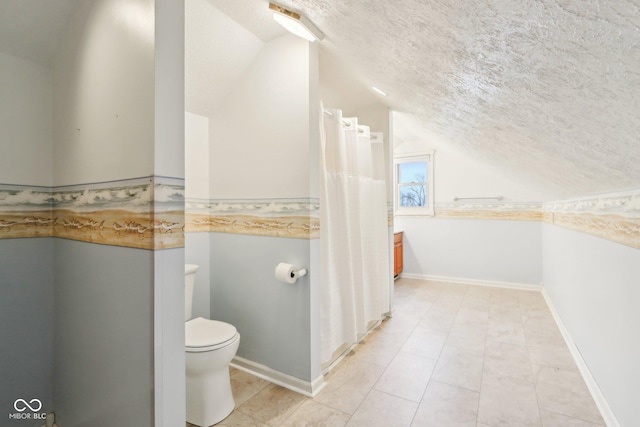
(168, 212)
(612, 216)
(294, 218)
(25, 211)
(145, 213)
(503, 211)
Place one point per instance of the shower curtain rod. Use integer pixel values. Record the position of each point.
(344, 122)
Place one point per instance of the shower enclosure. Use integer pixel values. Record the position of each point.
(353, 233)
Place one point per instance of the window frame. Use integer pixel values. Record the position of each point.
(399, 159)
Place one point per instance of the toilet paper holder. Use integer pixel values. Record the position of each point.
(288, 273)
(299, 273)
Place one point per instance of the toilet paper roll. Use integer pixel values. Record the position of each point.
(286, 273)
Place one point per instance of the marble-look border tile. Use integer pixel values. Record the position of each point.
(503, 211)
(168, 212)
(25, 211)
(293, 218)
(488, 214)
(612, 216)
(111, 213)
(615, 228)
(623, 203)
(144, 213)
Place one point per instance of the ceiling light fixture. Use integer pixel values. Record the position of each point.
(376, 90)
(296, 23)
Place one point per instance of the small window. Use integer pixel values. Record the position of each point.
(414, 185)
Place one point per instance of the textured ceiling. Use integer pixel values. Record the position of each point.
(546, 91)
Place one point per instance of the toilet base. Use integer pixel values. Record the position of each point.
(208, 385)
(209, 401)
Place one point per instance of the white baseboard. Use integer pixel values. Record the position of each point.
(310, 389)
(605, 410)
(476, 282)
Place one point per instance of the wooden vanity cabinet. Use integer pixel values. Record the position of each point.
(397, 253)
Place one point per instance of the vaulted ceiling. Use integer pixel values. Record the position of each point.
(547, 92)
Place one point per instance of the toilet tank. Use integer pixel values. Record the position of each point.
(189, 281)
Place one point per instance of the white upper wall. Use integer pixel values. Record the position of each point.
(103, 88)
(196, 144)
(169, 57)
(260, 138)
(32, 29)
(218, 51)
(26, 122)
(460, 175)
(340, 89)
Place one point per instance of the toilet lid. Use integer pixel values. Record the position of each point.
(201, 332)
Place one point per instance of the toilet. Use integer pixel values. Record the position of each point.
(210, 345)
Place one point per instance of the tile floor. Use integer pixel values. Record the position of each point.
(452, 355)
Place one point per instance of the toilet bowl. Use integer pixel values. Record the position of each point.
(210, 346)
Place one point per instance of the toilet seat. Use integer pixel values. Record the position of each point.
(206, 335)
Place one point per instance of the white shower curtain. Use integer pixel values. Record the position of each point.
(353, 232)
